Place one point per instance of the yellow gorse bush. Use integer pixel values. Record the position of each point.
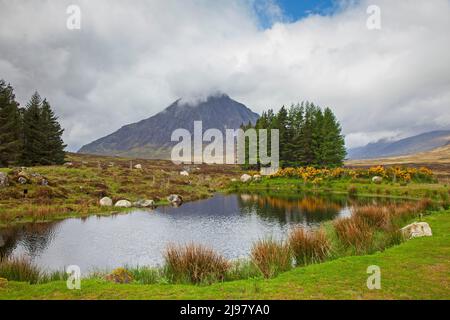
(318, 175)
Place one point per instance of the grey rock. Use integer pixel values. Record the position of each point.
(175, 199)
(123, 204)
(4, 182)
(416, 230)
(144, 204)
(106, 202)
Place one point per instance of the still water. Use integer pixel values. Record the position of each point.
(227, 223)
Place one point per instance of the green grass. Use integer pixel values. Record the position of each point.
(416, 269)
(360, 188)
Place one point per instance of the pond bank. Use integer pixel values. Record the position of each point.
(407, 273)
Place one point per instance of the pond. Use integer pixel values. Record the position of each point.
(227, 223)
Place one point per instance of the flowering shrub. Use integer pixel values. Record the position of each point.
(394, 174)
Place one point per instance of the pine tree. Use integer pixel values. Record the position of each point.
(53, 145)
(33, 136)
(333, 149)
(308, 135)
(10, 126)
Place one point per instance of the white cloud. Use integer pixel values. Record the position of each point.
(130, 60)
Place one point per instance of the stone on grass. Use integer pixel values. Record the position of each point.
(106, 202)
(123, 204)
(175, 199)
(377, 179)
(184, 173)
(246, 178)
(416, 230)
(144, 204)
(22, 180)
(257, 177)
(4, 182)
(138, 166)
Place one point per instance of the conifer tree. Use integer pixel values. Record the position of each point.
(53, 145)
(10, 126)
(33, 136)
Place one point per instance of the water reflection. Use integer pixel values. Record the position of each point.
(228, 223)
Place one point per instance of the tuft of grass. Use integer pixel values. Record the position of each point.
(271, 257)
(19, 269)
(146, 275)
(354, 232)
(374, 216)
(193, 263)
(309, 246)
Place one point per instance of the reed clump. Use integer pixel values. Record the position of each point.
(309, 246)
(271, 257)
(194, 263)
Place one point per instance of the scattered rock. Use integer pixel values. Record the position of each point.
(4, 182)
(68, 164)
(119, 275)
(144, 204)
(257, 177)
(22, 180)
(3, 283)
(184, 173)
(175, 199)
(377, 179)
(138, 166)
(106, 202)
(246, 178)
(417, 229)
(123, 204)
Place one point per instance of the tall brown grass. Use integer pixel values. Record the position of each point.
(309, 246)
(271, 257)
(354, 232)
(194, 263)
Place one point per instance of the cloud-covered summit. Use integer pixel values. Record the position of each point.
(131, 59)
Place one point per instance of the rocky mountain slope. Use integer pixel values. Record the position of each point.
(150, 138)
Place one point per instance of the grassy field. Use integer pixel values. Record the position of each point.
(416, 269)
(75, 190)
(437, 159)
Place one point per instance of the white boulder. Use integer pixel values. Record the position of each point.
(257, 177)
(417, 229)
(106, 202)
(184, 173)
(246, 178)
(123, 204)
(138, 166)
(377, 179)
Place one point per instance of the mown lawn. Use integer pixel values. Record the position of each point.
(417, 269)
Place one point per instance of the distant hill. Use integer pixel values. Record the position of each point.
(420, 143)
(150, 138)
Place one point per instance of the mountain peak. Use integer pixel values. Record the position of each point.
(151, 137)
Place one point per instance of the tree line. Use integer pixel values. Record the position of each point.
(30, 135)
(309, 135)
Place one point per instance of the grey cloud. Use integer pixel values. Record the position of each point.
(130, 60)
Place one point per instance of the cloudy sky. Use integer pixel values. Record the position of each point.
(131, 59)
